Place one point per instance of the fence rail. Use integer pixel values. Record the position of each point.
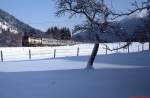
(35, 53)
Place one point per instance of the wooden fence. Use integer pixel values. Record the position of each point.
(78, 52)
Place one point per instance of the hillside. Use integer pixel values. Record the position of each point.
(10, 28)
(130, 28)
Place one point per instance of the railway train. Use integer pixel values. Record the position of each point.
(37, 41)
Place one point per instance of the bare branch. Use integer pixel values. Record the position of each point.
(123, 46)
(137, 8)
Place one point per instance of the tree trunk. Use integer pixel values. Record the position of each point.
(149, 46)
(93, 56)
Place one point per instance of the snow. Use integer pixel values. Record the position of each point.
(103, 83)
(119, 61)
(140, 14)
(129, 26)
(22, 53)
(116, 75)
(5, 26)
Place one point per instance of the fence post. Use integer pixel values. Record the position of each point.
(142, 47)
(2, 56)
(128, 49)
(78, 51)
(117, 50)
(106, 49)
(54, 53)
(29, 54)
(149, 46)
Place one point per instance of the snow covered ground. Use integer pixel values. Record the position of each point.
(118, 60)
(118, 75)
(22, 53)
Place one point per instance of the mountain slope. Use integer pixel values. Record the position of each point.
(20, 26)
(12, 30)
(131, 28)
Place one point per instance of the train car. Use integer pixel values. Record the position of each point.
(31, 41)
(37, 41)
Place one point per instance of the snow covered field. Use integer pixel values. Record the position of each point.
(22, 53)
(111, 61)
(118, 75)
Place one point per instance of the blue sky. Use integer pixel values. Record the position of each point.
(41, 13)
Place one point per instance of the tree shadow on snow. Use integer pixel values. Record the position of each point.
(137, 59)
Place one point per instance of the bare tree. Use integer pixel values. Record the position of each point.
(98, 18)
(142, 33)
(96, 14)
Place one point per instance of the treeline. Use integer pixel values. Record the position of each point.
(9, 39)
(58, 33)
